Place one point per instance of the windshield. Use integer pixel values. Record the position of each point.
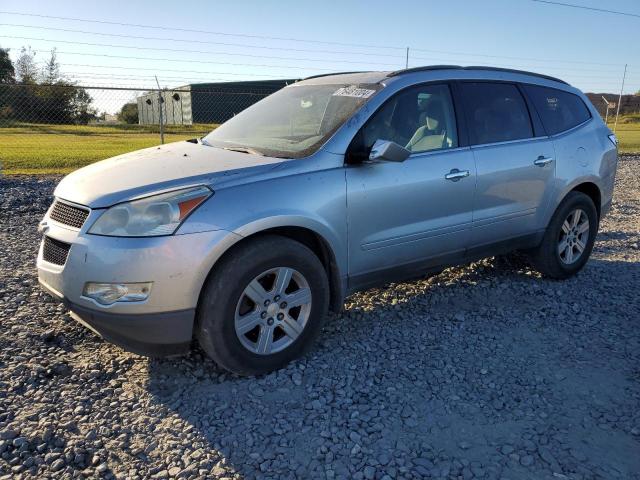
(293, 122)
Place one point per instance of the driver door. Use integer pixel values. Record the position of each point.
(405, 216)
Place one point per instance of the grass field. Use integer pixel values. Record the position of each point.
(63, 148)
(628, 136)
(41, 149)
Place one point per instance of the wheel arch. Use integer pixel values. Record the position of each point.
(309, 237)
(587, 185)
(592, 191)
(322, 249)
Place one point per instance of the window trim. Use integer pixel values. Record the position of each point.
(510, 142)
(576, 127)
(452, 94)
(524, 99)
(538, 125)
(438, 151)
(460, 114)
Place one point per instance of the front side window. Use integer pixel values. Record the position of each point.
(420, 119)
(496, 112)
(293, 122)
(559, 111)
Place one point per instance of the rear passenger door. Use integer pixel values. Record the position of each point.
(515, 162)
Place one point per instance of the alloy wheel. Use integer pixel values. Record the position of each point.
(574, 236)
(273, 310)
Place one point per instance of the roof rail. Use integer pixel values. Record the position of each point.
(331, 74)
(488, 69)
(424, 69)
(511, 70)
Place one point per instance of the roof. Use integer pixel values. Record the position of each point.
(376, 77)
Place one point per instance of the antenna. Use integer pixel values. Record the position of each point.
(624, 76)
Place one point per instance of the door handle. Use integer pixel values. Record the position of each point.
(541, 161)
(455, 174)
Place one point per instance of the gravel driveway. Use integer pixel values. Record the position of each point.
(484, 371)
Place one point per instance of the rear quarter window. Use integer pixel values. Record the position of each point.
(559, 110)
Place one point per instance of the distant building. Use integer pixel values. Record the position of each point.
(106, 119)
(204, 102)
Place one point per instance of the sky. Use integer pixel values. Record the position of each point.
(201, 41)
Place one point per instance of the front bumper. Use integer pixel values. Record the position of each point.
(177, 265)
(151, 334)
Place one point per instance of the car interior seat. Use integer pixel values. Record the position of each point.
(432, 134)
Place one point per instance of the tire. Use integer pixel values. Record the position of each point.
(558, 260)
(228, 309)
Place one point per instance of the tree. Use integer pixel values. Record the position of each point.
(7, 77)
(26, 68)
(51, 70)
(129, 113)
(7, 72)
(82, 112)
(44, 96)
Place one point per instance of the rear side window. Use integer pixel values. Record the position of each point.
(558, 110)
(496, 112)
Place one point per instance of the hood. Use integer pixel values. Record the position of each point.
(143, 172)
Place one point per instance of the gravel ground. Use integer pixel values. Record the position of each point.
(484, 371)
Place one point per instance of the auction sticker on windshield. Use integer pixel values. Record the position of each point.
(353, 91)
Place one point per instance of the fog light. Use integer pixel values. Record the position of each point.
(108, 293)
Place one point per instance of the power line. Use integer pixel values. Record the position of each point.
(137, 77)
(114, 75)
(187, 61)
(524, 66)
(155, 70)
(120, 67)
(190, 30)
(206, 52)
(469, 54)
(549, 67)
(584, 7)
(208, 42)
(444, 52)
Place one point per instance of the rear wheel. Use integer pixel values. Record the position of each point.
(262, 305)
(569, 238)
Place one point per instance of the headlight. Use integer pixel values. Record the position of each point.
(152, 216)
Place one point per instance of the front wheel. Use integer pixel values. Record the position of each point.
(569, 238)
(262, 305)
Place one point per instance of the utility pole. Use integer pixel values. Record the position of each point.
(624, 76)
(406, 63)
(160, 102)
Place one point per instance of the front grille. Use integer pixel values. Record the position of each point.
(55, 251)
(68, 214)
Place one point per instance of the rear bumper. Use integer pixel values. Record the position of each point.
(150, 334)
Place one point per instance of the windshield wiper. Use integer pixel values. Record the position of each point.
(244, 150)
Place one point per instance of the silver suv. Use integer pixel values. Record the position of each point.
(245, 238)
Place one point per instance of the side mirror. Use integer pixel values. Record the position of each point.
(386, 150)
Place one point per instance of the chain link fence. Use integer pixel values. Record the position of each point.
(58, 128)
